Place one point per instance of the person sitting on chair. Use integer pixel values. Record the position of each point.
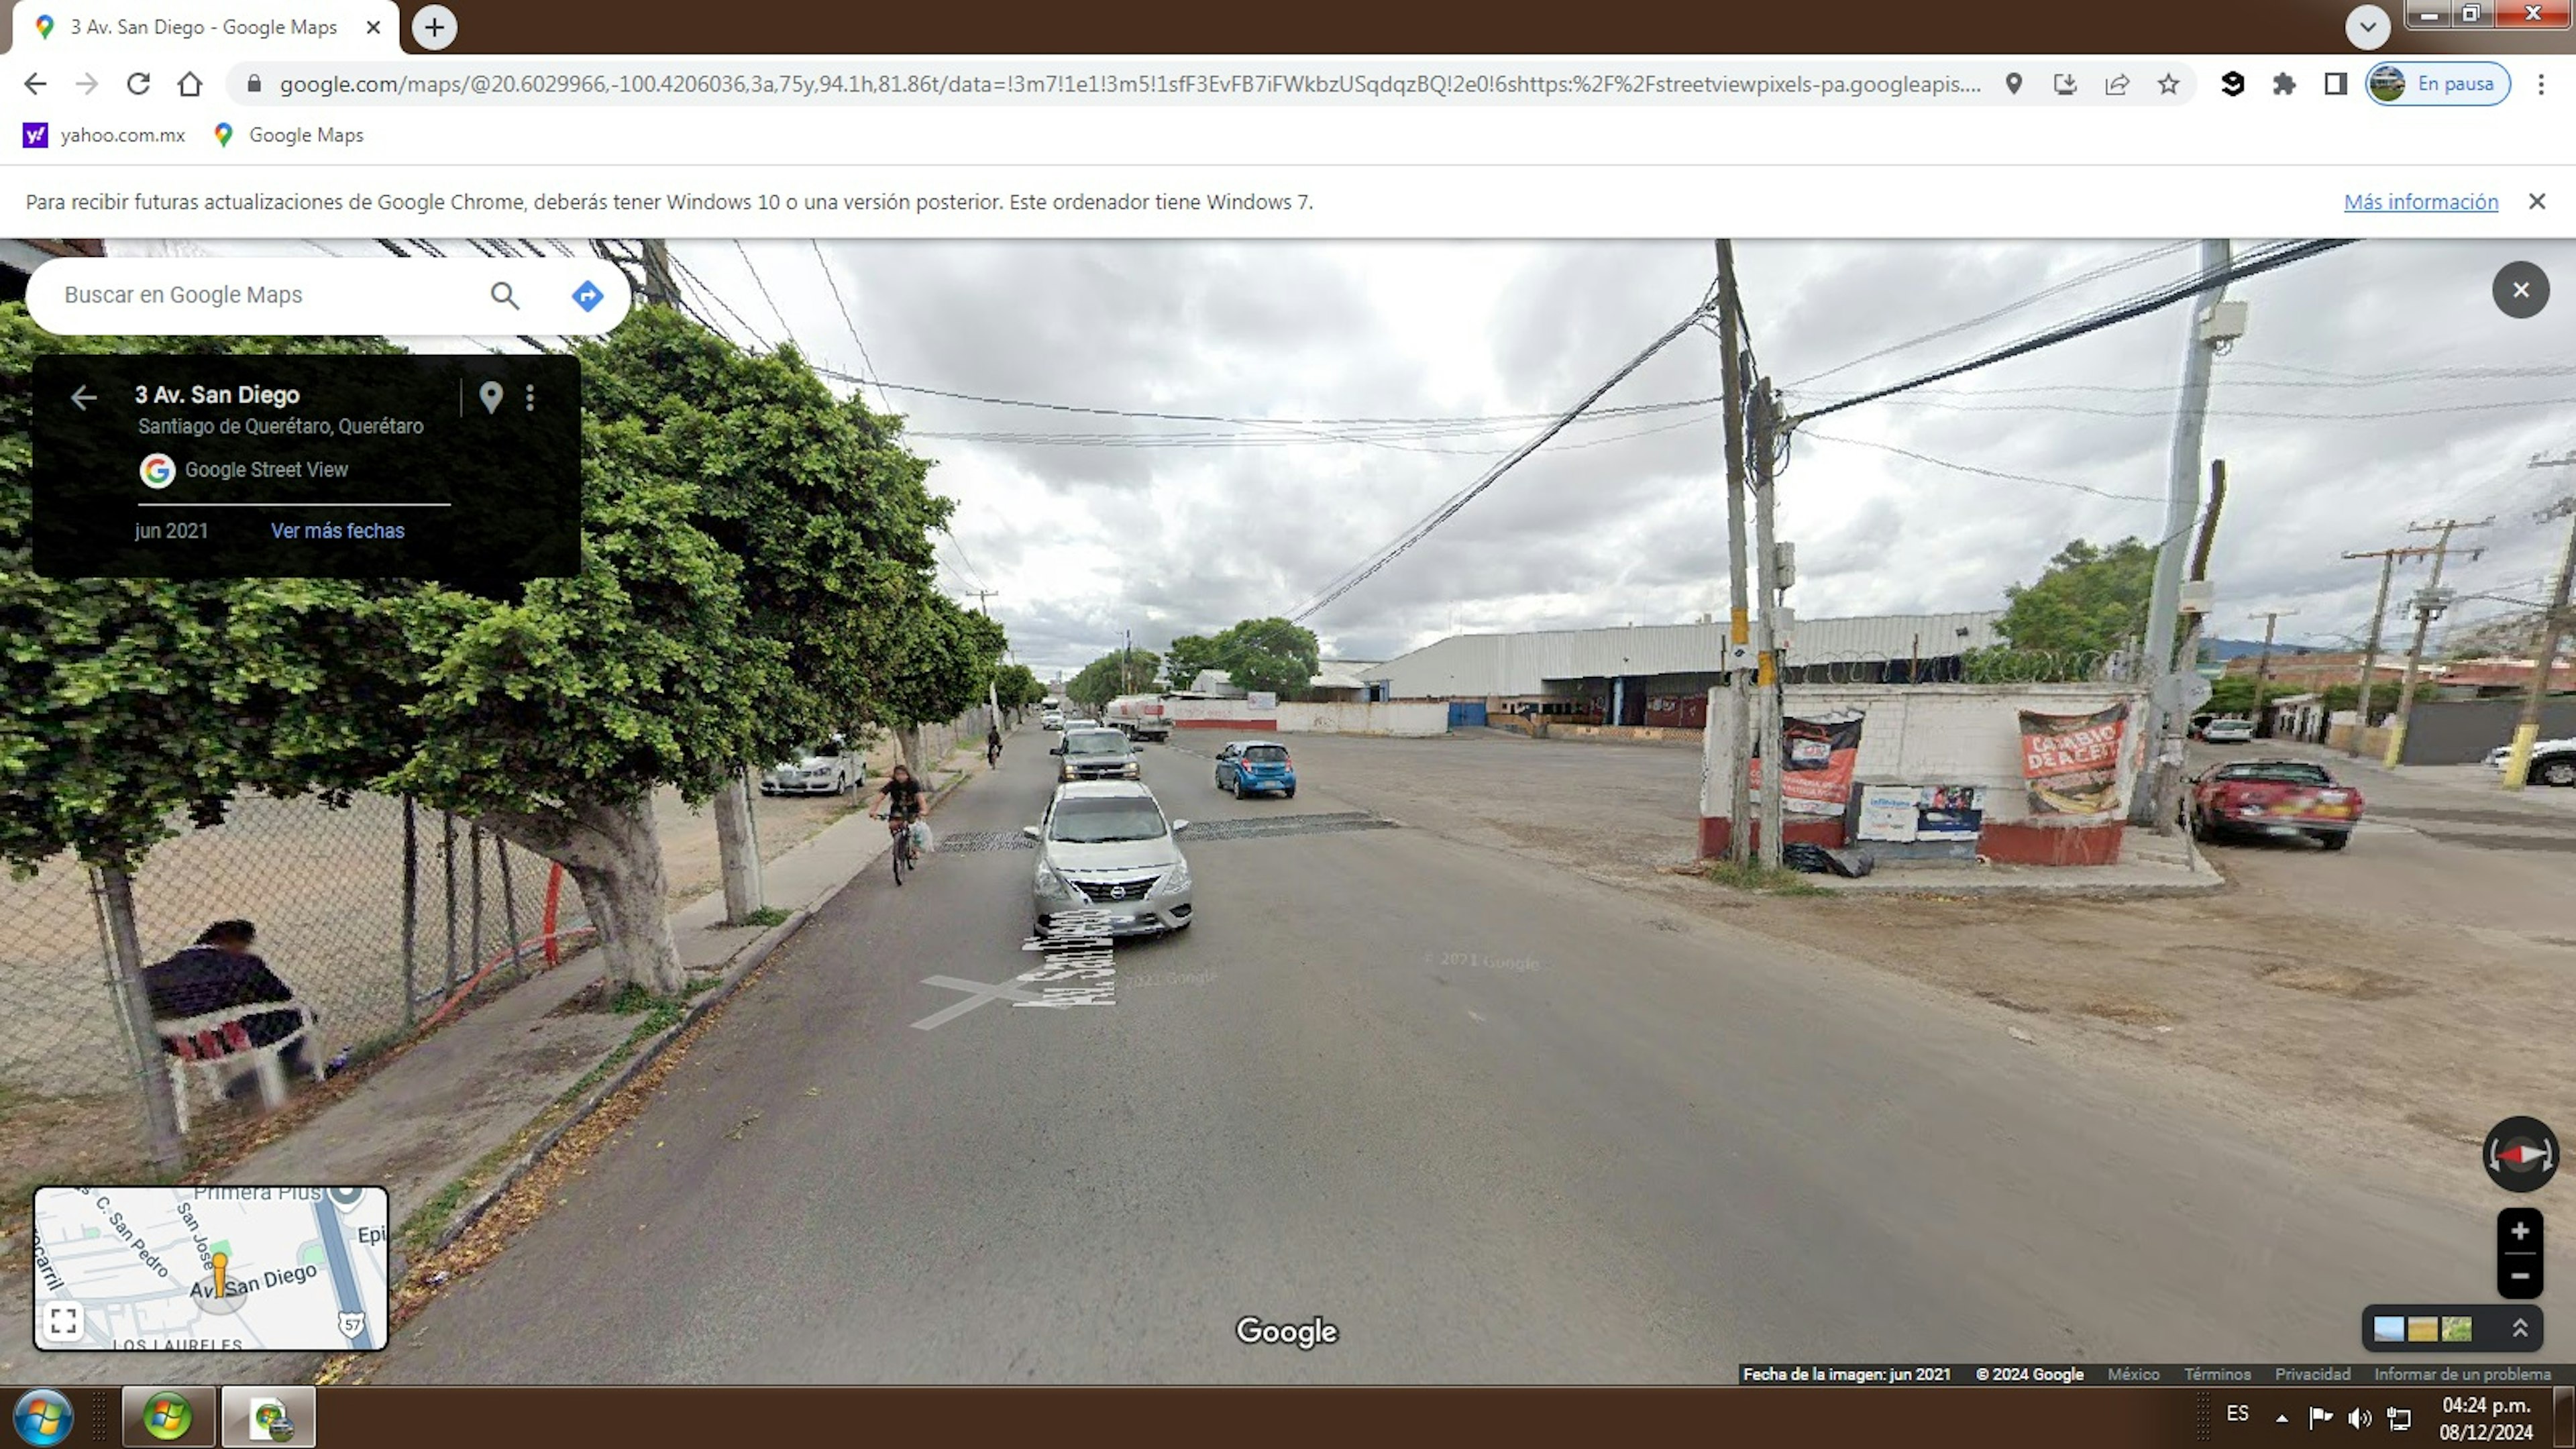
(220, 974)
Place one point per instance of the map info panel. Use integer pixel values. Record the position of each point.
(132, 1269)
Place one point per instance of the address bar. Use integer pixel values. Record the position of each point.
(1145, 83)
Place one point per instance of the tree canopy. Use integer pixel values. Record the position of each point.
(1258, 655)
(2090, 601)
(1016, 686)
(1120, 671)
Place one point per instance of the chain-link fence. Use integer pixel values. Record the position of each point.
(376, 915)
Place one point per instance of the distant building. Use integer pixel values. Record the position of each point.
(2318, 671)
(1660, 674)
(2487, 678)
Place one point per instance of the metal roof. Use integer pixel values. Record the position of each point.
(1509, 664)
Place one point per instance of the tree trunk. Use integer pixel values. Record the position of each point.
(614, 854)
(152, 1080)
(739, 852)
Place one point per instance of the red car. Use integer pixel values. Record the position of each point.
(2275, 797)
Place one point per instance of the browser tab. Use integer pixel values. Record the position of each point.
(74, 33)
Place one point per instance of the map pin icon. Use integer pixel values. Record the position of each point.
(2012, 82)
(490, 392)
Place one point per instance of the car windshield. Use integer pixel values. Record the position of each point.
(1099, 822)
(1099, 744)
(1268, 754)
(2286, 774)
(827, 750)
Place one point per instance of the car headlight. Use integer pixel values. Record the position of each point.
(1172, 884)
(1051, 884)
(1130, 771)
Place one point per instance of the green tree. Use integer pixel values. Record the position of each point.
(129, 705)
(755, 551)
(1120, 671)
(2090, 603)
(1188, 657)
(1016, 686)
(1269, 656)
(939, 668)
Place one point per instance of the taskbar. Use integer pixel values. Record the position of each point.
(2097, 1412)
(2414, 1373)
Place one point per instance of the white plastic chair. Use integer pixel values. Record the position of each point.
(218, 1046)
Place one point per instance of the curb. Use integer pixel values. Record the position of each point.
(1991, 889)
(736, 971)
(751, 958)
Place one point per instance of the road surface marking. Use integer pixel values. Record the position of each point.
(978, 994)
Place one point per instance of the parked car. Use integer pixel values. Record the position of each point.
(1105, 845)
(2553, 762)
(2274, 797)
(1098, 754)
(1249, 767)
(2228, 731)
(828, 767)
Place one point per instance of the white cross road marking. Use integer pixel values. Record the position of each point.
(978, 993)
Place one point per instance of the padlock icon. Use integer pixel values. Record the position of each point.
(254, 85)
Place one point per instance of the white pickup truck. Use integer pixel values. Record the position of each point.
(1140, 715)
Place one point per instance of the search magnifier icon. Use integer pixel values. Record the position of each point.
(501, 294)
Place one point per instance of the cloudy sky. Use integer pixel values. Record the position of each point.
(2377, 386)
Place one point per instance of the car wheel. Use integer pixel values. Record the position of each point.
(2561, 773)
(1288, 794)
(2334, 839)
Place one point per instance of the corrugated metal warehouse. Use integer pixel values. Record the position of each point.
(1660, 674)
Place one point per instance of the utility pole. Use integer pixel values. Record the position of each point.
(2213, 326)
(1739, 631)
(2166, 791)
(992, 684)
(659, 289)
(2428, 607)
(2553, 622)
(2263, 666)
(2389, 559)
(1766, 639)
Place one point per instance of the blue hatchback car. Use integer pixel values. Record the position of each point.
(1249, 767)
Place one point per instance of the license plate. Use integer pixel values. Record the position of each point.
(2335, 812)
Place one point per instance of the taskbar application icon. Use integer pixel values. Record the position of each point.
(181, 1417)
(258, 1417)
(43, 1418)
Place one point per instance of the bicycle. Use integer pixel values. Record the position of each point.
(901, 828)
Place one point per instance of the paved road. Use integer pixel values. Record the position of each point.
(1492, 1121)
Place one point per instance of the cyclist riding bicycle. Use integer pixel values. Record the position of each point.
(902, 795)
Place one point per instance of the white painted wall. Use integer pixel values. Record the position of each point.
(1938, 734)
(1384, 718)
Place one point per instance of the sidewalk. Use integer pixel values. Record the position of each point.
(2149, 865)
(453, 1121)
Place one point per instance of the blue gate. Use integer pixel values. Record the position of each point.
(1466, 716)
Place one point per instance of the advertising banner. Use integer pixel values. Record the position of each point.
(1822, 754)
(2071, 762)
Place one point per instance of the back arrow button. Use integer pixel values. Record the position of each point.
(34, 84)
(82, 397)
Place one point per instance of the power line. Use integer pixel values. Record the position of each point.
(1985, 472)
(2253, 264)
(2141, 259)
(849, 319)
(1368, 569)
(785, 327)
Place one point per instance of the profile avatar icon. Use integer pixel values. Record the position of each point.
(2387, 83)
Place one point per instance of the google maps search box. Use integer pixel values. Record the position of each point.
(328, 296)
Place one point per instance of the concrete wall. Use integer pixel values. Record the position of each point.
(1417, 720)
(2461, 731)
(1385, 718)
(1947, 734)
